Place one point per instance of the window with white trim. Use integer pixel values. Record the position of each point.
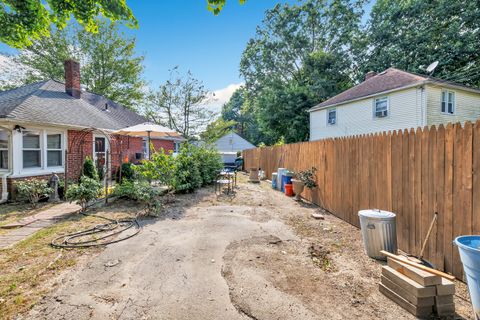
(331, 116)
(32, 152)
(176, 147)
(380, 107)
(54, 150)
(448, 102)
(3, 149)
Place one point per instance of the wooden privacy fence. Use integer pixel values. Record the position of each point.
(413, 173)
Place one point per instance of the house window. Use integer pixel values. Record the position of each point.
(100, 151)
(54, 150)
(145, 148)
(176, 147)
(3, 150)
(332, 116)
(380, 108)
(32, 154)
(448, 102)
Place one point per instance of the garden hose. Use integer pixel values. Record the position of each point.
(100, 235)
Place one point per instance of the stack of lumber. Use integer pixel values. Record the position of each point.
(417, 291)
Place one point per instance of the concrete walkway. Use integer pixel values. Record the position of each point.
(26, 227)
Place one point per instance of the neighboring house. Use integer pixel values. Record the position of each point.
(48, 126)
(230, 144)
(392, 100)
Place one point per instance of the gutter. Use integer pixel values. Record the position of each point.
(417, 84)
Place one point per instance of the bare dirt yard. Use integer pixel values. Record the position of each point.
(257, 255)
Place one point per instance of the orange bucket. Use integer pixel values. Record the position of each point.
(289, 190)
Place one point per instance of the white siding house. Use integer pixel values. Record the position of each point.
(393, 100)
(230, 144)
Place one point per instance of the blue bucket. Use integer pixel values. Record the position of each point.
(285, 180)
(469, 248)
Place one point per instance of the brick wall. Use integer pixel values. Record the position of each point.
(167, 145)
(80, 145)
(123, 149)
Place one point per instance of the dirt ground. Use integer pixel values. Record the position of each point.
(257, 255)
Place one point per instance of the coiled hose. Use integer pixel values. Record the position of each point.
(100, 235)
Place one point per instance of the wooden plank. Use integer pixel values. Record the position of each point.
(440, 197)
(408, 284)
(445, 310)
(448, 203)
(411, 189)
(416, 311)
(417, 226)
(416, 301)
(476, 179)
(446, 288)
(421, 277)
(458, 195)
(441, 300)
(424, 211)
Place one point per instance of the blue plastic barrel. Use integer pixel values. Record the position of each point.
(286, 179)
(469, 248)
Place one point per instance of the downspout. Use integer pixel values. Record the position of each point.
(9, 173)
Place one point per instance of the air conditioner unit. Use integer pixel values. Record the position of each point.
(381, 114)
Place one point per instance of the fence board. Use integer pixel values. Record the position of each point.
(413, 173)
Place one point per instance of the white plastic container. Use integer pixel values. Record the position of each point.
(379, 232)
(280, 173)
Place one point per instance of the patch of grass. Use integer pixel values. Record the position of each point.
(29, 267)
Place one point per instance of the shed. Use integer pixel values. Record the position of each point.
(230, 144)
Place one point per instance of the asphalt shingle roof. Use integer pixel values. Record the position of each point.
(387, 80)
(47, 102)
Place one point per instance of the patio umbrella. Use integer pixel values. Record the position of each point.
(151, 130)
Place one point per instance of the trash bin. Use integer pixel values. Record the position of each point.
(286, 179)
(378, 232)
(274, 180)
(469, 248)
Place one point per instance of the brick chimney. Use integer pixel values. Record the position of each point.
(72, 78)
(370, 74)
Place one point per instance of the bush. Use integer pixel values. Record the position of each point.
(32, 190)
(128, 172)
(142, 192)
(89, 169)
(160, 167)
(307, 177)
(187, 176)
(209, 162)
(87, 190)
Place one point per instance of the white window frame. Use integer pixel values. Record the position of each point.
(176, 146)
(328, 116)
(40, 149)
(62, 148)
(375, 101)
(8, 151)
(454, 103)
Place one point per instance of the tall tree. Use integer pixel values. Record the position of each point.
(180, 104)
(217, 129)
(109, 64)
(412, 34)
(24, 21)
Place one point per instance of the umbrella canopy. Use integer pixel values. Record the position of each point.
(151, 130)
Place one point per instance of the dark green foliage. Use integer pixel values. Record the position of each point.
(307, 177)
(187, 176)
(142, 192)
(85, 191)
(128, 172)
(89, 169)
(210, 163)
(32, 190)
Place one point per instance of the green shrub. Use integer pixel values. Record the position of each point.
(86, 190)
(32, 190)
(187, 176)
(160, 167)
(128, 172)
(89, 169)
(209, 162)
(142, 192)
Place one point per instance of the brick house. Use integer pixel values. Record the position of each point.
(51, 127)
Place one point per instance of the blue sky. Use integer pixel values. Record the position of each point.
(185, 33)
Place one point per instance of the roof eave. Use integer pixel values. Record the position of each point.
(318, 107)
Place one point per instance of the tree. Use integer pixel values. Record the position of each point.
(217, 129)
(109, 65)
(24, 21)
(217, 5)
(180, 104)
(411, 34)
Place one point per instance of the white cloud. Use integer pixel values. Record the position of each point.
(221, 96)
